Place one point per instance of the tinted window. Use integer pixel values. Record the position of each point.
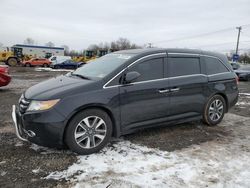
(181, 66)
(214, 66)
(149, 70)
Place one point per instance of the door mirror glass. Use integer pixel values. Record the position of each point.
(131, 76)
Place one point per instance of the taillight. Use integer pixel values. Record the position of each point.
(4, 70)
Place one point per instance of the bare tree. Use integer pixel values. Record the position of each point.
(120, 44)
(50, 44)
(66, 49)
(93, 47)
(123, 43)
(29, 41)
(75, 53)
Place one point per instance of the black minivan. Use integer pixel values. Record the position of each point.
(122, 92)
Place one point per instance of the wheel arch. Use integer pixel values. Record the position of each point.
(116, 129)
(223, 95)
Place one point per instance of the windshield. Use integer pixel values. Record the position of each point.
(102, 66)
(245, 68)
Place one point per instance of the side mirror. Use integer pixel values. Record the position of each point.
(131, 76)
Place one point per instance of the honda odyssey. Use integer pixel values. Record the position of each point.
(125, 91)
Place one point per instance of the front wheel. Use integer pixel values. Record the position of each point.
(27, 65)
(89, 131)
(12, 61)
(214, 110)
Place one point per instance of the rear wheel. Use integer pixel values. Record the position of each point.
(45, 65)
(12, 61)
(89, 131)
(214, 110)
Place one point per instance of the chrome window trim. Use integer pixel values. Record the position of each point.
(204, 55)
(184, 76)
(151, 55)
(189, 54)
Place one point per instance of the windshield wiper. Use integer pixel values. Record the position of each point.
(80, 76)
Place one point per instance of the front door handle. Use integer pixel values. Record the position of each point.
(164, 91)
(174, 89)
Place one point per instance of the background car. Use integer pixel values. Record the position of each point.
(4, 75)
(243, 73)
(68, 64)
(37, 62)
(235, 65)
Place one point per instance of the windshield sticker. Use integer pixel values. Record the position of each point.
(121, 56)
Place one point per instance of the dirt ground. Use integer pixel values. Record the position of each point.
(26, 165)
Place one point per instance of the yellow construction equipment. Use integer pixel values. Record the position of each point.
(87, 56)
(11, 56)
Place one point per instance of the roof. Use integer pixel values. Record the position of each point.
(148, 51)
(33, 46)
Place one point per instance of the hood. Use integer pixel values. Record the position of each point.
(55, 88)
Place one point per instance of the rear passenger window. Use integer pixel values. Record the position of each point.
(181, 66)
(150, 70)
(214, 66)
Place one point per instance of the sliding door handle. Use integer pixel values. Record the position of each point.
(174, 89)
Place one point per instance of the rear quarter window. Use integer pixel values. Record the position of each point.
(214, 66)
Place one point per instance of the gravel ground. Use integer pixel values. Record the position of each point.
(26, 165)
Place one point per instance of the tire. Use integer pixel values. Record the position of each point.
(45, 65)
(12, 61)
(56, 67)
(27, 65)
(248, 79)
(214, 110)
(84, 139)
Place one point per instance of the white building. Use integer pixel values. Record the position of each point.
(40, 51)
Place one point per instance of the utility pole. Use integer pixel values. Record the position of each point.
(238, 39)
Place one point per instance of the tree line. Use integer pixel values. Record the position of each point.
(119, 44)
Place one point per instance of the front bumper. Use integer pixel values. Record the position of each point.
(44, 128)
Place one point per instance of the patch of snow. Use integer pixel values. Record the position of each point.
(35, 171)
(18, 144)
(50, 69)
(242, 104)
(44, 150)
(124, 164)
(3, 173)
(246, 94)
(2, 162)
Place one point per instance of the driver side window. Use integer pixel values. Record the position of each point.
(149, 70)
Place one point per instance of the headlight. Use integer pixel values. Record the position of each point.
(42, 105)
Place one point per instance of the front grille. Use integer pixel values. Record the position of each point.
(23, 105)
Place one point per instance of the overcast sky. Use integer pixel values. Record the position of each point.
(165, 23)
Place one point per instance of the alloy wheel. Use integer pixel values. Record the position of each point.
(90, 132)
(216, 110)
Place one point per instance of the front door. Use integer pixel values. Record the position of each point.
(145, 100)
